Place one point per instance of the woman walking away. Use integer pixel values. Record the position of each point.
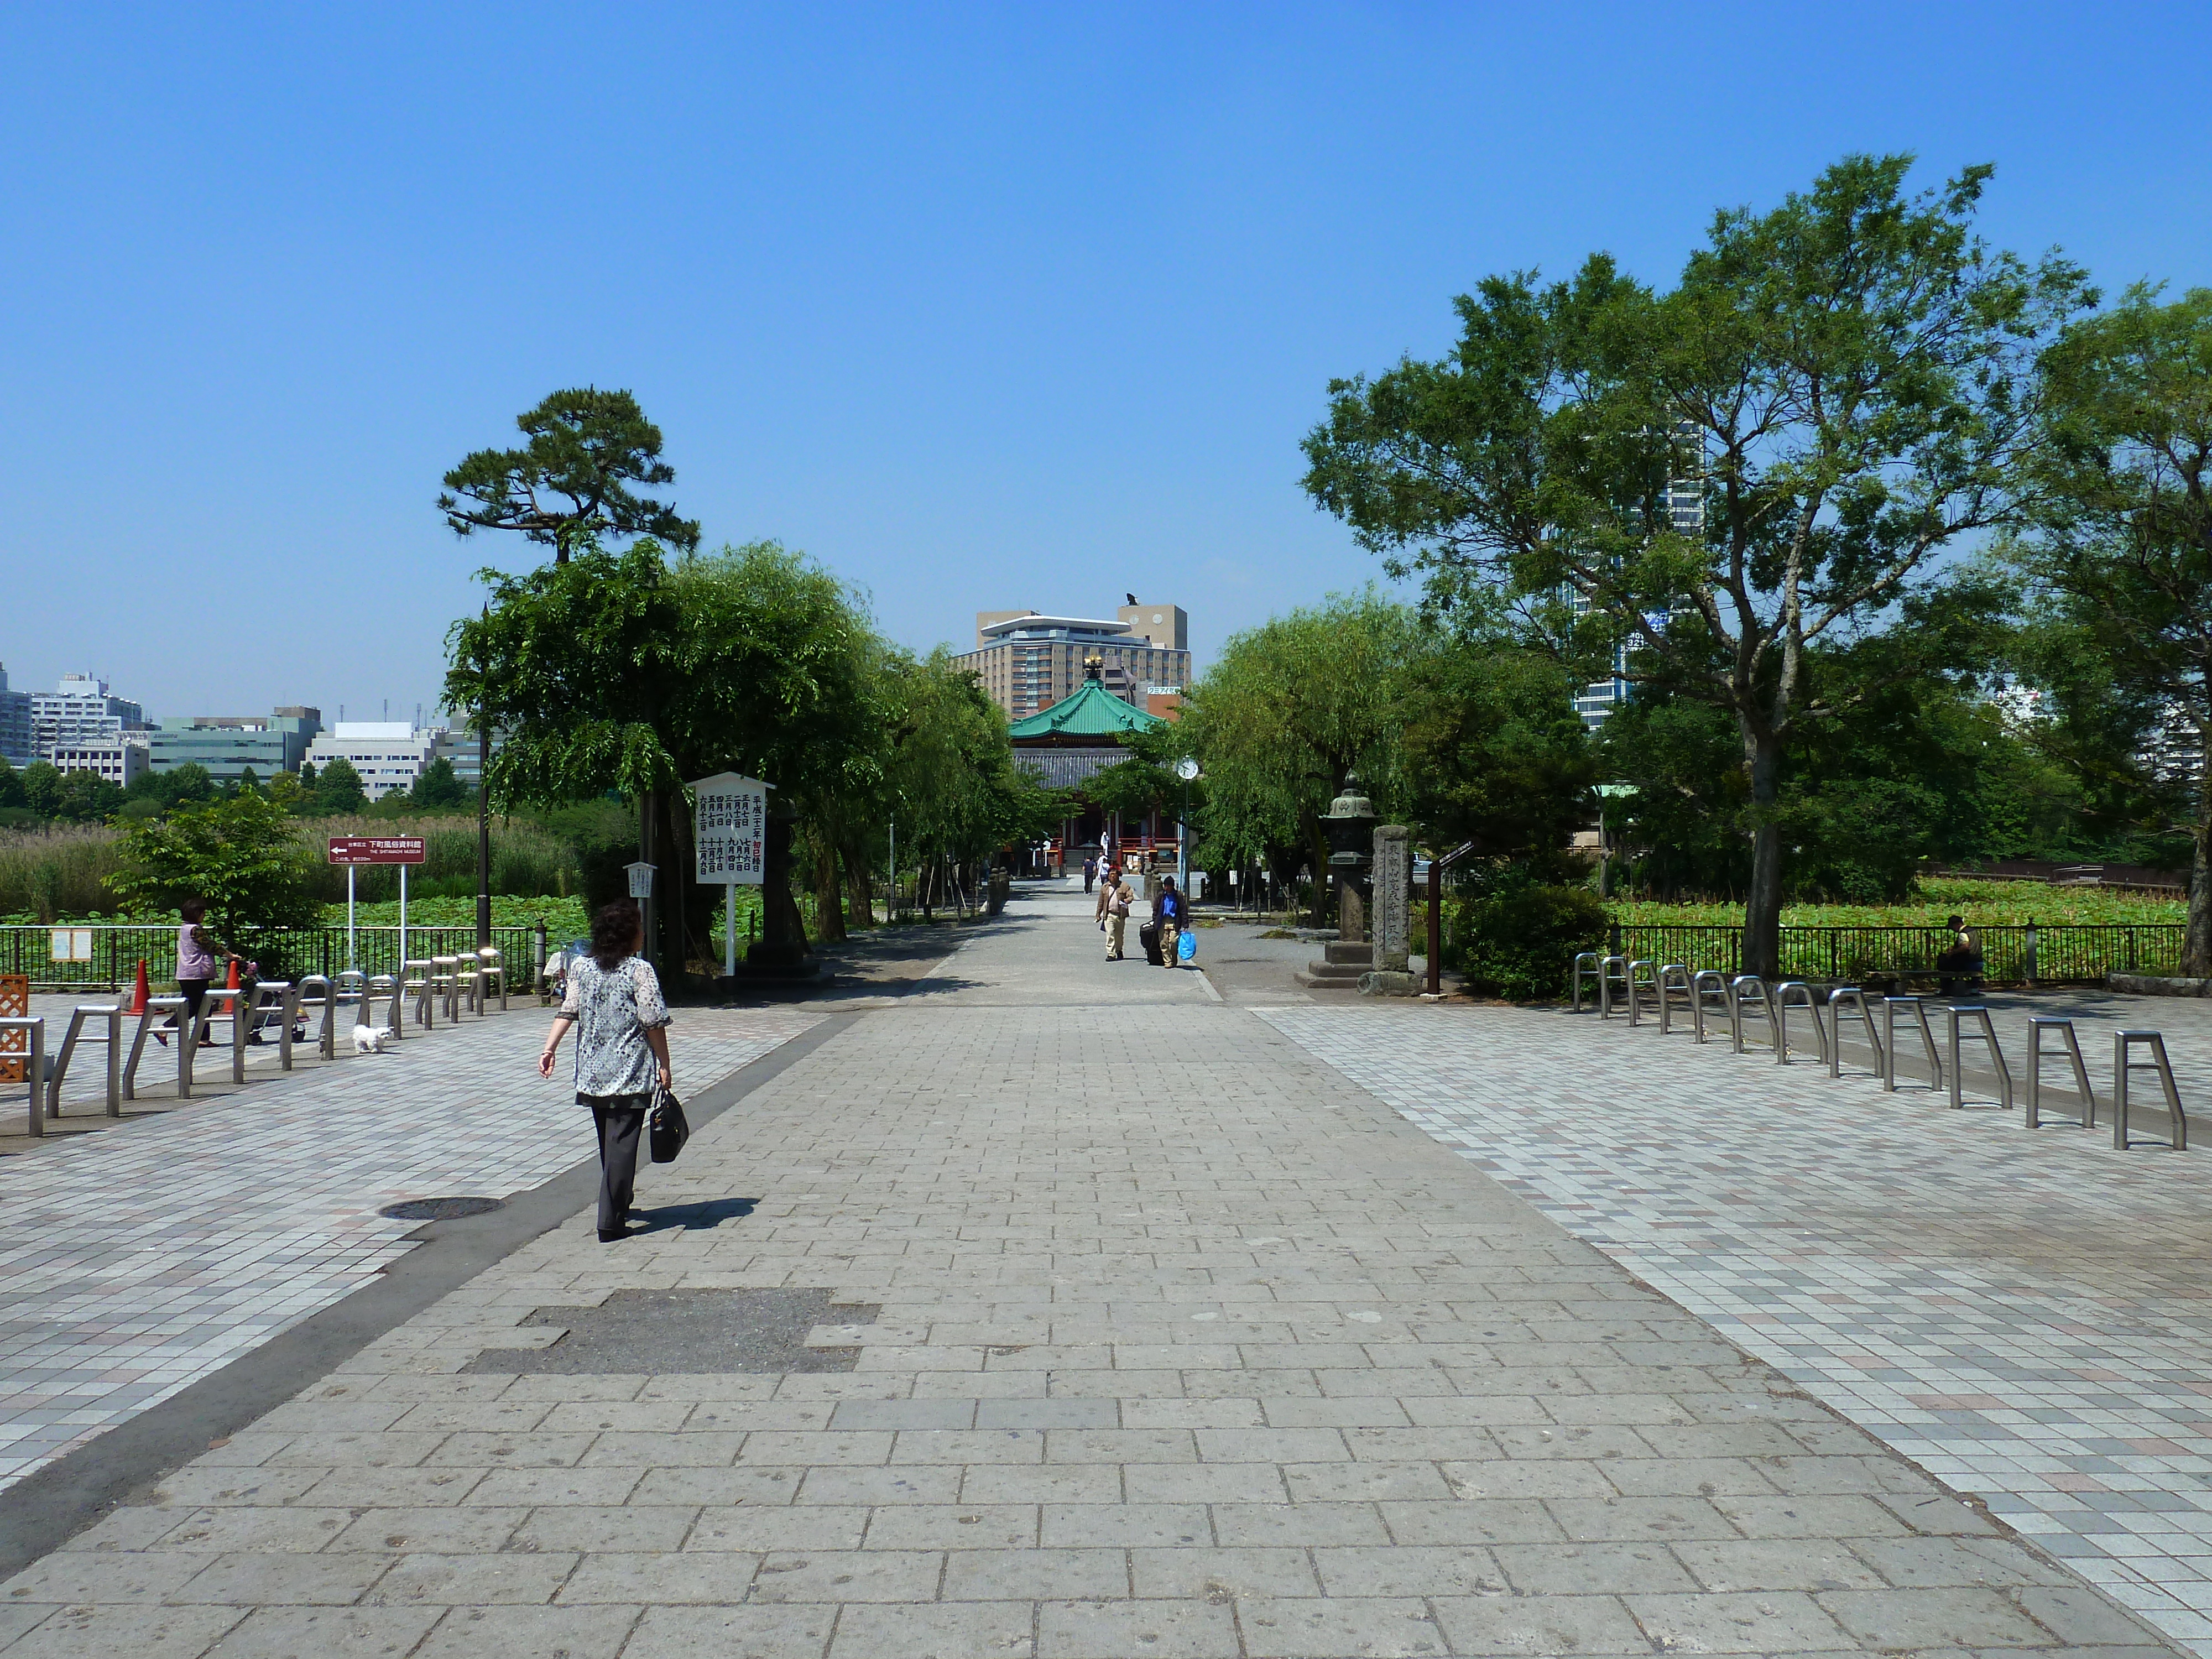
(198, 953)
(614, 996)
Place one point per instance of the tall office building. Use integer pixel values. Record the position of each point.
(1027, 662)
(227, 746)
(388, 754)
(15, 724)
(80, 710)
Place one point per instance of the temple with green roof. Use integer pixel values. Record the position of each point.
(1065, 745)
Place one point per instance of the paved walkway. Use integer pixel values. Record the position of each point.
(1165, 1339)
(2025, 1315)
(134, 1262)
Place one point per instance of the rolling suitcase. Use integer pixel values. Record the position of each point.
(1149, 937)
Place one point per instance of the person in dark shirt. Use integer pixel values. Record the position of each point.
(1171, 914)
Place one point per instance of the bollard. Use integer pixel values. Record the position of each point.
(2070, 1050)
(112, 1013)
(1748, 987)
(2122, 1042)
(1606, 979)
(1952, 1016)
(1593, 972)
(1795, 993)
(1642, 977)
(1704, 985)
(1848, 999)
(1890, 1006)
(34, 1025)
(153, 1005)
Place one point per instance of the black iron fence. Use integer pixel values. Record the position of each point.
(53, 958)
(2069, 953)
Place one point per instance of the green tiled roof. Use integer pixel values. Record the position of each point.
(1092, 712)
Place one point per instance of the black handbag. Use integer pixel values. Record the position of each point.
(666, 1125)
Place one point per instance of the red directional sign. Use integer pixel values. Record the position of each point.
(376, 849)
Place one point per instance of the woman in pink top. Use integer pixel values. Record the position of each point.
(199, 952)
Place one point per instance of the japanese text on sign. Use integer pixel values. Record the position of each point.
(729, 830)
(376, 849)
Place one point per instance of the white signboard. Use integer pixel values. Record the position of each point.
(729, 828)
(70, 944)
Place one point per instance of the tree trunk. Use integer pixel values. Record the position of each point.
(1317, 850)
(859, 899)
(1762, 910)
(2196, 941)
(829, 902)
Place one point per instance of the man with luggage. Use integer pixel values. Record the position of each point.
(1170, 915)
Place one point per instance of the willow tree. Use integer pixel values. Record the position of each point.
(1704, 485)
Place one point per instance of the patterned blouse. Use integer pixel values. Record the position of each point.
(613, 1008)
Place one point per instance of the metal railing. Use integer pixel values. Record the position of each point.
(291, 953)
(2066, 953)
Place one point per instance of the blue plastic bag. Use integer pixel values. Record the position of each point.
(1185, 946)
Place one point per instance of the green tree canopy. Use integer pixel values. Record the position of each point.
(570, 487)
(1704, 485)
(2120, 556)
(339, 788)
(241, 854)
(437, 785)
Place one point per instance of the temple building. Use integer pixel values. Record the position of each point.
(1072, 741)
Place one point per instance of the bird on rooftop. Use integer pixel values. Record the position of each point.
(1132, 598)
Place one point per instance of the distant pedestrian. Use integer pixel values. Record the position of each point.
(1959, 964)
(1118, 902)
(1170, 914)
(622, 1049)
(1090, 872)
(199, 953)
(1106, 879)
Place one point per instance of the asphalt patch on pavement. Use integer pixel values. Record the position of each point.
(677, 1332)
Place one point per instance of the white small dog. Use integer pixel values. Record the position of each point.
(370, 1039)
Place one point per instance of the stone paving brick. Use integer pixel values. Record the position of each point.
(1279, 1374)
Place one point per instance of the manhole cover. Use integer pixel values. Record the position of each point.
(440, 1209)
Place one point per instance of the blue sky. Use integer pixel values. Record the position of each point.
(983, 307)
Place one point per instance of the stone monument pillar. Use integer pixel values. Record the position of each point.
(1392, 880)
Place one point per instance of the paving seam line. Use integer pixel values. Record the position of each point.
(48, 1507)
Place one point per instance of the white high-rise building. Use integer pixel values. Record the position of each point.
(1685, 511)
(388, 754)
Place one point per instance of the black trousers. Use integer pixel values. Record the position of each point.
(620, 1121)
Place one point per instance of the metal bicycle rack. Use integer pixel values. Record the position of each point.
(445, 985)
(492, 964)
(327, 1044)
(385, 985)
(1795, 993)
(1890, 1006)
(1849, 1000)
(2155, 1042)
(1748, 987)
(1592, 973)
(418, 989)
(153, 1005)
(1952, 1017)
(1675, 980)
(1642, 977)
(2069, 1050)
(190, 1035)
(112, 1013)
(257, 1016)
(36, 1063)
(1705, 985)
(1612, 971)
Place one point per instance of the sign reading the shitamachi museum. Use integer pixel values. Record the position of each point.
(729, 829)
(376, 849)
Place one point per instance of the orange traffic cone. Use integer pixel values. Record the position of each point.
(231, 984)
(140, 991)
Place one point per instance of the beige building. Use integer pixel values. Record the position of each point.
(1027, 662)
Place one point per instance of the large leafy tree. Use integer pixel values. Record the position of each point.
(625, 673)
(2121, 554)
(573, 485)
(241, 853)
(1706, 484)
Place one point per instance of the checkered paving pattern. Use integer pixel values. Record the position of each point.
(2025, 1315)
(135, 1261)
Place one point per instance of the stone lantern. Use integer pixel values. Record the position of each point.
(1349, 823)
